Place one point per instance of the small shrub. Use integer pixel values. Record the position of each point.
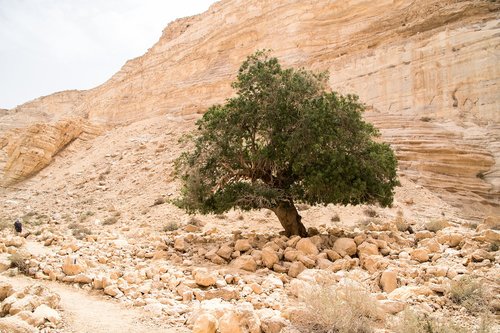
(426, 119)
(370, 212)
(241, 217)
(436, 225)
(20, 261)
(85, 216)
(80, 232)
(337, 309)
(171, 226)
(400, 222)
(471, 225)
(110, 220)
(412, 322)
(335, 218)
(196, 222)
(159, 201)
(480, 175)
(469, 293)
(486, 321)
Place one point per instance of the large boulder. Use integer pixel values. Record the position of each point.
(5, 290)
(388, 281)
(420, 254)
(73, 265)
(345, 246)
(242, 245)
(206, 323)
(269, 257)
(15, 324)
(46, 313)
(306, 246)
(245, 262)
(367, 249)
(204, 278)
(242, 319)
(296, 268)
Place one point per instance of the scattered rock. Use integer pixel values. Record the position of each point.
(225, 252)
(345, 246)
(5, 290)
(15, 325)
(306, 246)
(204, 278)
(367, 249)
(392, 307)
(332, 255)
(480, 255)
(180, 244)
(47, 313)
(269, 257)
(113, 291)
(240, 320)
(73, 265)
(420, 254)
(388, 281)
(206, 323)
(245, 262)
(242, 245)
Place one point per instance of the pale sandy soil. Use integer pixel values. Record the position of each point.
(85, 313)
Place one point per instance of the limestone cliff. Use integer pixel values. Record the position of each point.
(428, 68)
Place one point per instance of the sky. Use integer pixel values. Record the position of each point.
(54, 45)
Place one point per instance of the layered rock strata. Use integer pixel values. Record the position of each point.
(434, 59)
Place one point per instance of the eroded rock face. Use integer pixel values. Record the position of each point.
(429, 71)
(25, 151)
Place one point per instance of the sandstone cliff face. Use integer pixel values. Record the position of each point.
(409, 60)
(26, 151)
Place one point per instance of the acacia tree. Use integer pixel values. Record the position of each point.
(284, 139)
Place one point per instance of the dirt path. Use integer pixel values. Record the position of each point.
(84, 313)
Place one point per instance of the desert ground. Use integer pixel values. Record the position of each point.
(104, 250)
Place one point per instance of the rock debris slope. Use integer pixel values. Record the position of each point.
(429, 69)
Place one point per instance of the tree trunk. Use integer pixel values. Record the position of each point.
(290, 219)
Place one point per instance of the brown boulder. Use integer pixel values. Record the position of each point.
(388, 281)
(306, 246)
(245, 262)
(345, 246)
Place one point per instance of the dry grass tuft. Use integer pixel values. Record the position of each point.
(370, 212)
(337, 309)
(110, 220)
(412, 322)
(469, 292)
(400, 222)
(85, 216)
(79, 231)
(196, 222)
(171, 226)
(436, 225)
(20, 261)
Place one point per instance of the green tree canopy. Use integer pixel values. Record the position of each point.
(284, 138)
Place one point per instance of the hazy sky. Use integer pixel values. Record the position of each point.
(52, 45)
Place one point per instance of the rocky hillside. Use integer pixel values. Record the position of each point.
(428, 70)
